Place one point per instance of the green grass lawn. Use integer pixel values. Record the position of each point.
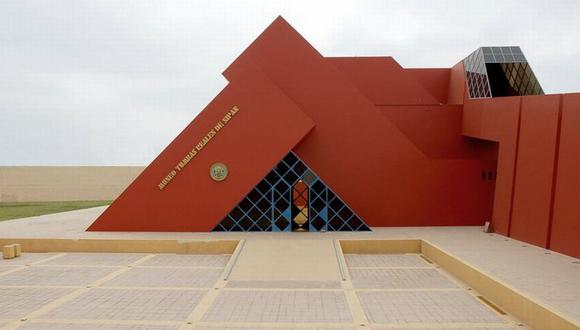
(29, 209)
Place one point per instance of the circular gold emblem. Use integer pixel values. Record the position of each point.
(218, 172)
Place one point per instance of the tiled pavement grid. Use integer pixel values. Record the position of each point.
(147, 291)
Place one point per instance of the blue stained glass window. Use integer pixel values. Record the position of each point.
(272, 205)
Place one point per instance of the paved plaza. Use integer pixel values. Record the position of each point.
(529, 269)
(168, 291)
(273, 281)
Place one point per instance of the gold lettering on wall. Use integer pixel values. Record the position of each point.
(198, 147)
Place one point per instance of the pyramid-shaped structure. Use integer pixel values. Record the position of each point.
(341, 117)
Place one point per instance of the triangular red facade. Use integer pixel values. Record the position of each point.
(292, 98)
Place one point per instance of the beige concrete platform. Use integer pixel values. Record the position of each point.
(164, 291)
(545, 276)
(280, 261)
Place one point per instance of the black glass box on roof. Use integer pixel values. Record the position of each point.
(499, 71)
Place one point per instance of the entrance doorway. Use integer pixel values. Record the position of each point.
(300, 206)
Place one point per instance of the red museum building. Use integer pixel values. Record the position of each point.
(298, 141)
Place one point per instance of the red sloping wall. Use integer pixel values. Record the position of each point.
(497, 120)
(358, 151)
(267, 126)
(435, 80)
(383, 80)
(565, 231)
(535, 169)
(456, 91)
(436, 130)
(538, 185)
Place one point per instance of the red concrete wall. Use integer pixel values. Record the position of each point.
(267, 126)
(358, 151)
(436, 81)
(383, 80)
(538, 183)
(497, 120)
(421, 124)
(565, 231)
(290, 97)
(535, 169)
(456, 89)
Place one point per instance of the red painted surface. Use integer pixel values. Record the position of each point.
(422, 123)
(357, 150)
(565, 231)
(497, 120)
(436, 81)
(260, 134)
(535, 169)
(375, 75)
(456, 89)
(538, 182)
(402, 147)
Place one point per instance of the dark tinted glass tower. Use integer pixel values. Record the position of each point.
(499, 71)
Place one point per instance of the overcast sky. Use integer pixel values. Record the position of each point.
(113, 82)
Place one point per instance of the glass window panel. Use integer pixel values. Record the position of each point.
(265, 214)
